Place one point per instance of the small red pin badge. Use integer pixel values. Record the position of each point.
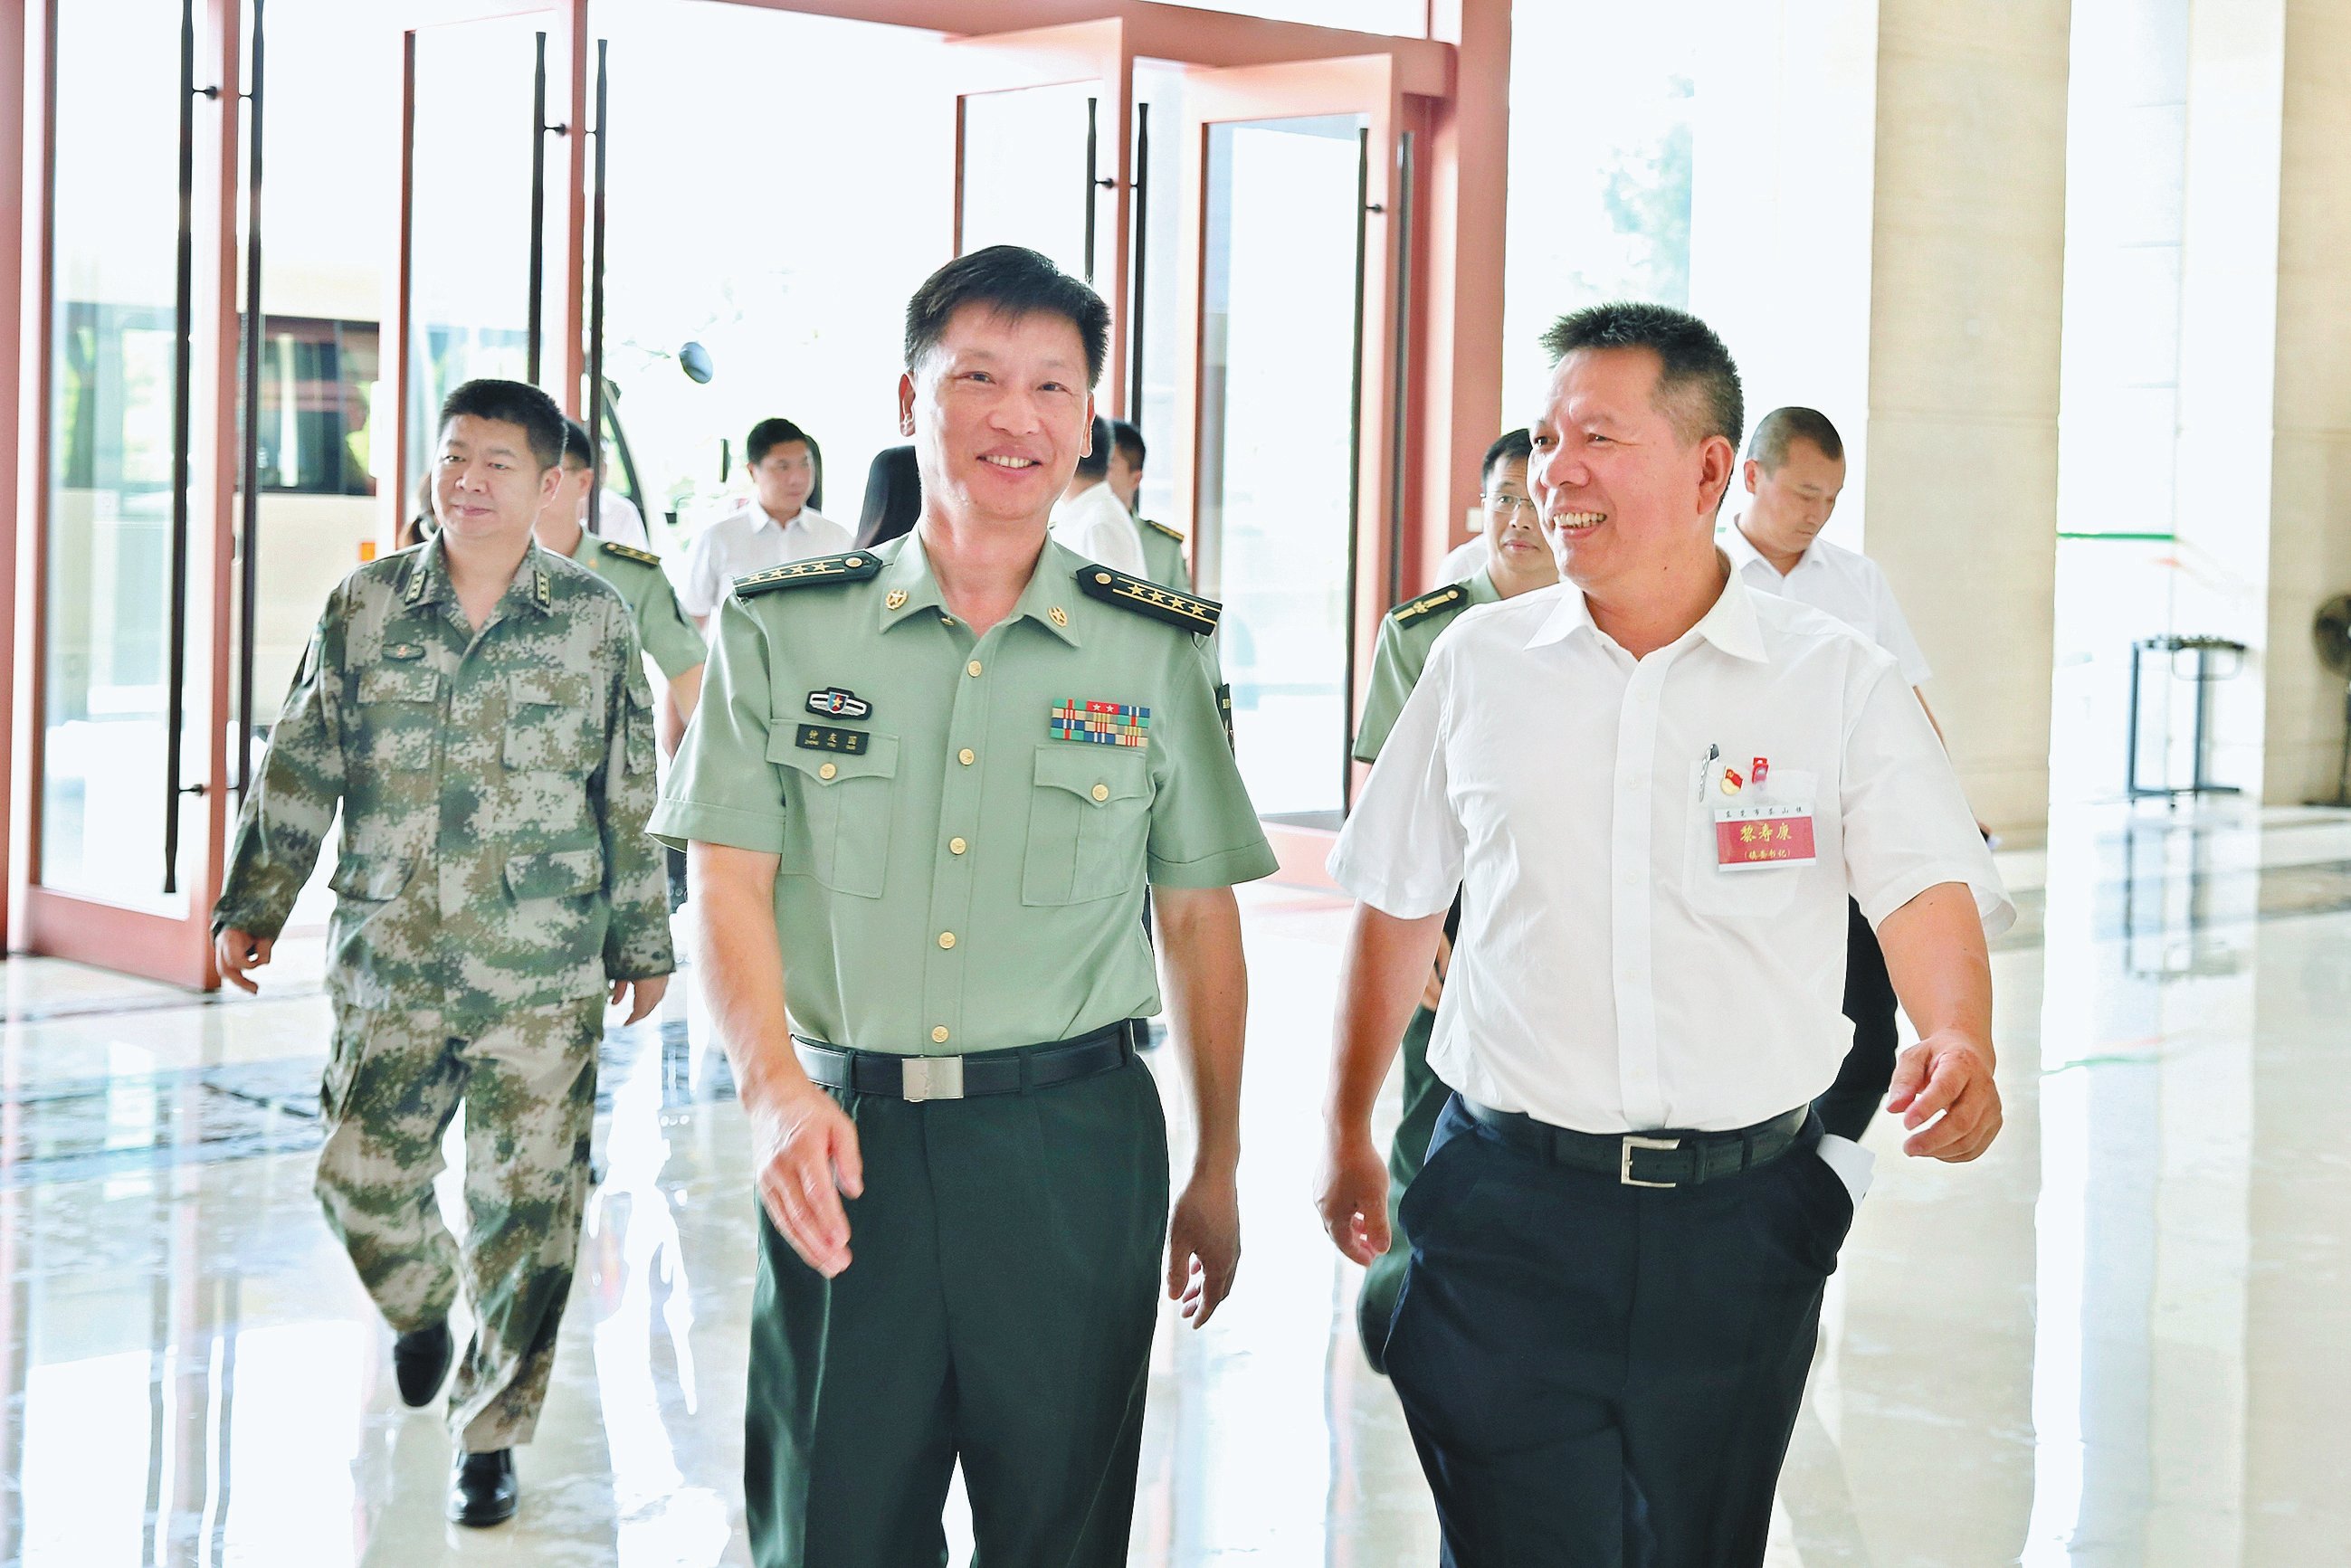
(1760, 771)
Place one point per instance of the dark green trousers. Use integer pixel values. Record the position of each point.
(1424, 1097)
(997, 1309)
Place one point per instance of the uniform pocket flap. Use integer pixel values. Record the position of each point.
(398, 683)
(827, 765)
(552, 688)
(1094, 774)
(369, 876)
(558, 873)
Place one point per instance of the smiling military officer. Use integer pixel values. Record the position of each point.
(924, 794)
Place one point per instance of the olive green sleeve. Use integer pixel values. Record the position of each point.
(1396, 664)
(1204, 831)
(722, 788)
(668, 636)
(291, 804)
(637, 941)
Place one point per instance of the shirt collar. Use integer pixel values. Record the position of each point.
(908, 588)
(427, 581)
(761, 518)
(1729, 624)
(1743, 554)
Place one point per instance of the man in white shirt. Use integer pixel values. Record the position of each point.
(1655, 788)
(775, 525)
(1090, 520)
(1793, 474)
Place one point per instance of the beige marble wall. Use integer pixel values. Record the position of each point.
(2310, 502)
(1967, 281)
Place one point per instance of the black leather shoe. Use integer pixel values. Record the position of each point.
(481, 1489)
(420, 1361)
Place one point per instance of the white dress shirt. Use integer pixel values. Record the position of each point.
(1464, 560)
(1840, 582)
(1609, 976)
(618, 520)
(1098, 527)
(749, 540)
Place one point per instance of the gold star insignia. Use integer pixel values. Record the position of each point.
(1060, 616)
(897, 599)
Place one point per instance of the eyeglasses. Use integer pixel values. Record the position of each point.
(1512, 506)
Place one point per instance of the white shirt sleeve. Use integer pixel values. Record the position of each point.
(1105, 535)
(1894, 630)
(700, 587)
(618, 520)
(1906, 825)
(1403, 847)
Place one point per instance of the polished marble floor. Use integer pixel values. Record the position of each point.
(2123, 1338)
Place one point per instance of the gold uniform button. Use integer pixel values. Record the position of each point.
(966, 756)
(972, 668)
(1102, 792)
(939, 1035)
(956, 846)
(947, 938)
(827, 771)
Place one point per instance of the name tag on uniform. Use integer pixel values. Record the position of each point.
(1759, 832)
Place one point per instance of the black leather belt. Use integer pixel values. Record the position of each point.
(1650, 1159)
(919, 1078)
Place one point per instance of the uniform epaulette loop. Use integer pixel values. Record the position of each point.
(630, 552)
(1188, 611)
(855, 566)
(1447, 600)
(1176, 534)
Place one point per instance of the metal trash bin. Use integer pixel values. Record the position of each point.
(2206, 651)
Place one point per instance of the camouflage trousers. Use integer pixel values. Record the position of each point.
(528, 1085)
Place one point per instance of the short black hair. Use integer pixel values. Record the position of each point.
(578, 451)
(770, 433)
(1096, 462)
(1129, 442)
(1012, 280)
(1697, 380)
(1511, 445)
(1782, 427)
(511, 402)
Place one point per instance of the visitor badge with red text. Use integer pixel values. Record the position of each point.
(1763, 820)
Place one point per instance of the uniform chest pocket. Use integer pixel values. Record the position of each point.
(1751, 892)
(844, 804)
(548, 722)
(400, 716)
(1089, 820)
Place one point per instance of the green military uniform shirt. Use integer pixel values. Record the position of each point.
(1406, 634)
(662, 626)
(965, 824)
(494, 790)
(1162, 554)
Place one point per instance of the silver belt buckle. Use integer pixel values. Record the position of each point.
(930, 1078)
(1624, 1165)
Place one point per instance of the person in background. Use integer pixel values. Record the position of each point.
(419, 525)
(893, 497)
(668, 638)
(1163, 558)
(476, 710)
(777, 524)
(1794, 474)
(617, 518)
(1089, 519)
(1519, 562)
(1654, 788)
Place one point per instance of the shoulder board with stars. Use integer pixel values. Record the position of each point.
(1176, 534)
(630, 552)
(854, 567)
(1188, 611)
(1447, 600)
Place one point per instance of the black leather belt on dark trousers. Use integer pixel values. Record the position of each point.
(917, 1078)
(1650, 1159)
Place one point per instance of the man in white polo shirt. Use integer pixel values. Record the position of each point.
(1655, 788)
(1090, 520)
(1793, 474)
(775, 525)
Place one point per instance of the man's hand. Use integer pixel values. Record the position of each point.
(1353, 1195)
(804, 1150)
(238, 953)
(649, 995)
(1204, 1245)
(1949, 1073)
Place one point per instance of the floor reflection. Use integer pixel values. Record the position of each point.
(2115, 1341)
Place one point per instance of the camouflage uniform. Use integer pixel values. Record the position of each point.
(494, 877)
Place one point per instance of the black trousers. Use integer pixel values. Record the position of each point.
(1599, 1375)
(1851, 1103)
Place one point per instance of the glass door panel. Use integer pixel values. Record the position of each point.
(113, 399)
(1031, 160)
(1277, 438)
(470, 251)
